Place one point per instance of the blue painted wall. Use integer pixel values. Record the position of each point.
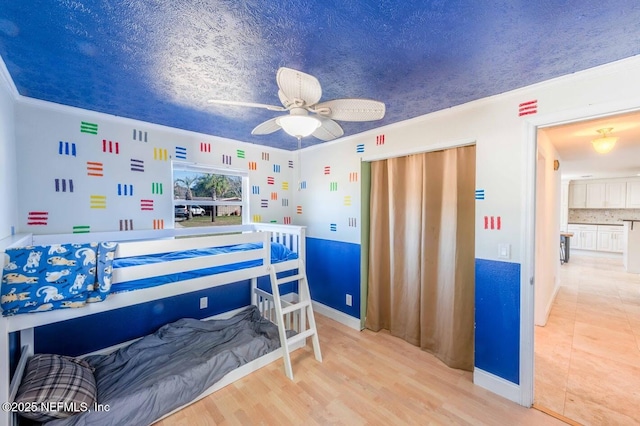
(89, 334)
(333, 270)
(497, 338)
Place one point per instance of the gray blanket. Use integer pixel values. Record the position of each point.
(169, 368)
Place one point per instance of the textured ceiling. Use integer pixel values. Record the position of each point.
(160, 61)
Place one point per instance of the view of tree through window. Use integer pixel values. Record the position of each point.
(203, 198)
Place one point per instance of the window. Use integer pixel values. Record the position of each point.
(207, 196)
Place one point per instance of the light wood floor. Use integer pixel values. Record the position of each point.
(587, 357)
(365, 378)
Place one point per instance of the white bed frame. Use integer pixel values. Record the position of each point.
(134, 243)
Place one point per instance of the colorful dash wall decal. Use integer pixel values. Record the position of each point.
(360, 148)
(125, 189)
(528, 108)
(139, 135)
(62, 186)
(158, 223)
(91, 128)
(479, 194)
(240, 153)
(181, 152)
(156, 188)
(37, 218)
(160, 154)
(110, 146)
(98, 201)
(380, 140)
(95, 168)
(126, 224)
(137, 165)
(67, 148)
(81, 229)
(492, 222)
(146, 205)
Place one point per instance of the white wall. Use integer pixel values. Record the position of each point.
(8, 169)
(44, 129)
(547, 242)
(499, 132)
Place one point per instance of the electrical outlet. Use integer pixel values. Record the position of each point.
(204, 302)
(349, 300)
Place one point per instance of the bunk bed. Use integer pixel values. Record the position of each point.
(149, 266)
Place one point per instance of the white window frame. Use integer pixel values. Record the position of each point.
(203, 168)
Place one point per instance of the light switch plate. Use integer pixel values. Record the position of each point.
(504, 251)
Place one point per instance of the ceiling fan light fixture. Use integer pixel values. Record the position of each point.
(299, 126)
(604, 143)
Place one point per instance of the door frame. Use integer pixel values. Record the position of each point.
(527, 299)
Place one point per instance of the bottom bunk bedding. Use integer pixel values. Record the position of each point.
(165, 370)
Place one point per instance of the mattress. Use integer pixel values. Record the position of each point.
(171, 367)
(279, 253)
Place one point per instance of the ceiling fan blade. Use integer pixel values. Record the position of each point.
(328, 130)
(351, 109)
(247, 104)
(288, 103)
(267, 127)
(297, 86)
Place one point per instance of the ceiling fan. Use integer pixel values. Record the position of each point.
(300, 95)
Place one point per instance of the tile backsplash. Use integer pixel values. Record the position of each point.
(612, 216)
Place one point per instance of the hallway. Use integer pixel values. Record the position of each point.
(587, 357)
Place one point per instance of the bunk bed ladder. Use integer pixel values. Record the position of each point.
(303, 305)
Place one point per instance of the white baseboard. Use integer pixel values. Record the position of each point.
(336, 315)
(497, 385)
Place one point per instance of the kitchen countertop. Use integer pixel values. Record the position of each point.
(601, 224)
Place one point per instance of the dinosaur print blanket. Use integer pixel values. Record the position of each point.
(42, 278)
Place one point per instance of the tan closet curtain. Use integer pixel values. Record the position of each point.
(421, 257)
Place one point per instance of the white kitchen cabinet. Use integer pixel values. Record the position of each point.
(615, 195)
(577, 195)
(601, 195)
(633, 195)
(610, 238)
(596, 193)
(585, 237)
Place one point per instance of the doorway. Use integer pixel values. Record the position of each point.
(587, 341)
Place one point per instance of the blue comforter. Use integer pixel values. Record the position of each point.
(279, 253)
